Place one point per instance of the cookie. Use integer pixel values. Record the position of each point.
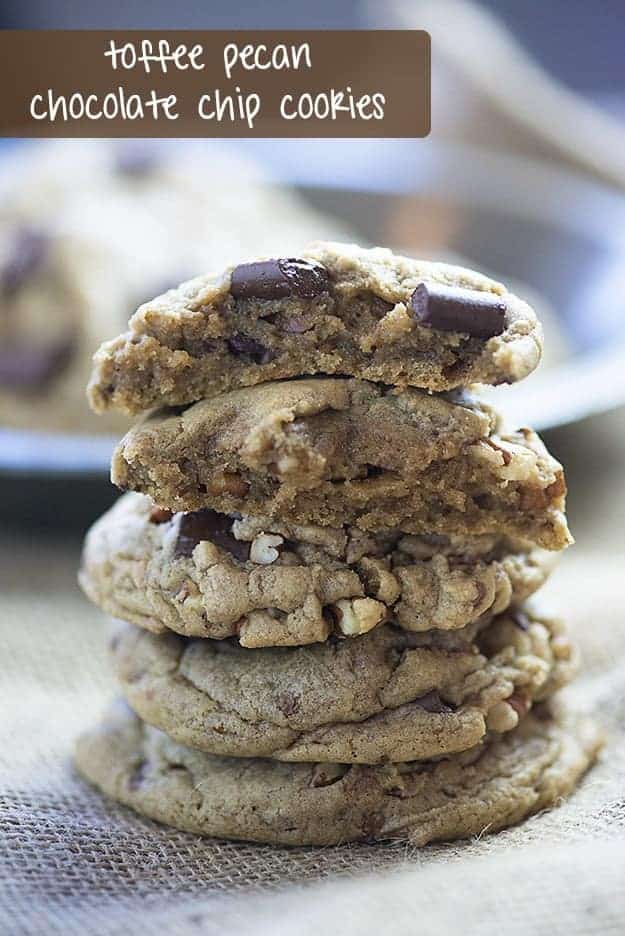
(384, 697)
(275, 584)
(493, 786)
(43, 335)
(335, 309)
(333, 450)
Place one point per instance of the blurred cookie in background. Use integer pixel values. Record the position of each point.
(89, 230)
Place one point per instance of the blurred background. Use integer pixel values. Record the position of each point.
(522, 177)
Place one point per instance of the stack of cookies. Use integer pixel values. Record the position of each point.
(323, 559)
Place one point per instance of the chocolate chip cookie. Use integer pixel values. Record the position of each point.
(331, 451)
(272, 583)
(334, 309)
(384, 697)
(488, 788)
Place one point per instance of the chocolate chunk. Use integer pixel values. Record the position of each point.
(27, 367)
(208, 525)
(277, 279)
(432, 702)
(243, 344)
(27, 253)
(451, 308)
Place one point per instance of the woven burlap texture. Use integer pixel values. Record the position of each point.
(74, 863)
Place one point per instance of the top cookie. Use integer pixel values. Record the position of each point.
(336, 309)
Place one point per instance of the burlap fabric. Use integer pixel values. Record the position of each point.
(72, 863)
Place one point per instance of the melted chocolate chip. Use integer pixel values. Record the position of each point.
(208, 525)
(277, 279)
(451, 308)
(432, 702)
(27, 367)
(26, 255)
(244, 345)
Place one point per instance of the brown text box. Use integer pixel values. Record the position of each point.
(335, 83)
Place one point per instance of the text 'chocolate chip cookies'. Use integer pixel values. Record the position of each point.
(323, 558)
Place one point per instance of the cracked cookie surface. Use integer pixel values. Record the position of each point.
(334, 450)
(279, 584)
(494, 786)
(336, 309)
(387, 696)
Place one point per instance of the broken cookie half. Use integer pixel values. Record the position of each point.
(335, 309)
